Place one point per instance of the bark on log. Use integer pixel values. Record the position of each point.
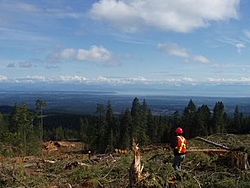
(213, 143)
(210, 151)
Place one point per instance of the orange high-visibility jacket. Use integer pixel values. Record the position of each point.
(181, 144)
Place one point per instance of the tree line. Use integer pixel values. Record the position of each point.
(23, 130)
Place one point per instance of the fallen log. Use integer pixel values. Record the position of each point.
(210, 151)
(238, 157)
(213, 143)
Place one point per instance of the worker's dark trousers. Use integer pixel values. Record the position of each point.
(177, 161)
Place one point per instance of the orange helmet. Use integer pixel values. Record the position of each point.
(179, 130)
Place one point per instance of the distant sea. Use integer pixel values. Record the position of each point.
(85, 102)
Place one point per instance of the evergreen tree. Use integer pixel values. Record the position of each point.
(176, 120)
(126, 135)
(40, 104)
(84, 130)
(203, 120)
(152, 127)
(237, 121)
(145, 113)
(245, 124)
(22, 129)
(59, 133)
(218, 118)
(111, 127)
(3, 127)
(164, 129)
(189, 120)
(136, 114)
(100, 140)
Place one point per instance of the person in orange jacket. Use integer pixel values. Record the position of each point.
(179, 146)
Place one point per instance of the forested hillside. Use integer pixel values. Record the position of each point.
(23, 130)
(100, 156)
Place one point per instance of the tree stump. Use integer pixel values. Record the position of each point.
(136, 168)
(239, 160)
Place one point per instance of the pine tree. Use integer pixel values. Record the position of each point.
(136, 114)
(22, 129)
(100, 141)
(84, 130)
(237, 126)
(40, 104)
(203, 120)
(152, 127)
(111, 127)
(189, 119)
(218, 118)
(3, 126)
(125, 135)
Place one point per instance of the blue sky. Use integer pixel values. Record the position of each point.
(190, 42)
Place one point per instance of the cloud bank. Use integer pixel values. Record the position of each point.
(179, 16)
(120, 81)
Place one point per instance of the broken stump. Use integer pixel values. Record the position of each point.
(136, 168)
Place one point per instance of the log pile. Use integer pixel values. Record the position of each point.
(50, 146)
(238, 158)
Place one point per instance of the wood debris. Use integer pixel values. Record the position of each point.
(238, 158)
(50, 146)
(136, 168)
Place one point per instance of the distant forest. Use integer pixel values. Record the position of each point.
(23, 130)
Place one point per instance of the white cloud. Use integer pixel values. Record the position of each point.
(201, 59)
(68, 53)
(97, 54)
(29, 79)
(119, 13)
(3, 78)
(72, 79)
(239, 47)
(178, 16)
(245, 80)
(36, 78)
(173, 49)
(124, 80)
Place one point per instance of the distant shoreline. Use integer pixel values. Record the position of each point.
(85, 102)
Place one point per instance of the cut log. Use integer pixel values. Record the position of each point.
(210, 151)
(239, 158)
(213, 143)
